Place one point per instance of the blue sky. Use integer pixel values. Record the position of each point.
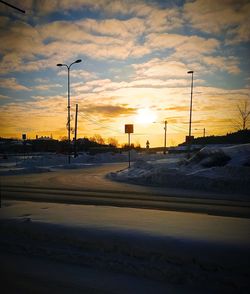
(136, 55)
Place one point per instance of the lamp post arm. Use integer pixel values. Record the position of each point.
(71, 64)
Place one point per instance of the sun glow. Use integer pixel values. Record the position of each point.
(145, 116)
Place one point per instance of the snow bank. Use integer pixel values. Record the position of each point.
(165, 246)
(51, 161)
(225, 169)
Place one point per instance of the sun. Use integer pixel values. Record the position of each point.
(145, 116)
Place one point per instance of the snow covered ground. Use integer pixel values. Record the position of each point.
(225, 169)
(218, 169)
(180, 252)
(194, 253)
(45, 162)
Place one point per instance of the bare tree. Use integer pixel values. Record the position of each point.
(98, 139)
(242, 121)
(113, 142)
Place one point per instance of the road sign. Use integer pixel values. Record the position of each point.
(129, 129)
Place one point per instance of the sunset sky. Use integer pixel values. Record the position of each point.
(136, 55)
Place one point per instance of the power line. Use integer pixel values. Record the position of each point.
(12, 6)
(93, 120)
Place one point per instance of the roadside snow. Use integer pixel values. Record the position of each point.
(225, 169)
(185, 249)
(218, 169)
(50, 161)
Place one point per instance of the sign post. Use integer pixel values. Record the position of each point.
(24, 137)
(129, 129)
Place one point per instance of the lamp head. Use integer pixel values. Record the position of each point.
(78, 61)
(59, 64)
(190, 72)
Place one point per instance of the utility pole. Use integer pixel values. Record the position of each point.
(190, 114)
(75, 130)
(129, 150)
(204, 132)
(165, 136)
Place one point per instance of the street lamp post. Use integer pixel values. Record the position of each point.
(68, 68)
(190, 114)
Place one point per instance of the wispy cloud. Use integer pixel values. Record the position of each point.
(12, 84)
(46, 87)
(4, 97)
(109, 111)
(218, 17)
(84, 74)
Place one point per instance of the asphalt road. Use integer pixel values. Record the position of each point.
(91, 186)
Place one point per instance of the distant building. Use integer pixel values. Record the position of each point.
(44, 138)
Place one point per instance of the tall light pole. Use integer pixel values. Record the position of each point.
(68, 68)
(190, 114)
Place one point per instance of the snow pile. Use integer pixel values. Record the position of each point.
(45, 162)
(225, 169)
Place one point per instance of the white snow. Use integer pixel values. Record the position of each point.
(44, 162)
(218, 169)
(192, 250)
(173, 247)
(168, 224)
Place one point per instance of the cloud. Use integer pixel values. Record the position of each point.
(12, 84)
(108, 111)
(46, 87)
(140, 81)
(229, 64)
(157, 18)
(19, 36)
(172, 68)
(178, 108)
(86, 75)
(113, 27)
(182, 43)
(186, 49)
(229, 17)
(4, 97)
(156, 68)
(103, 39)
